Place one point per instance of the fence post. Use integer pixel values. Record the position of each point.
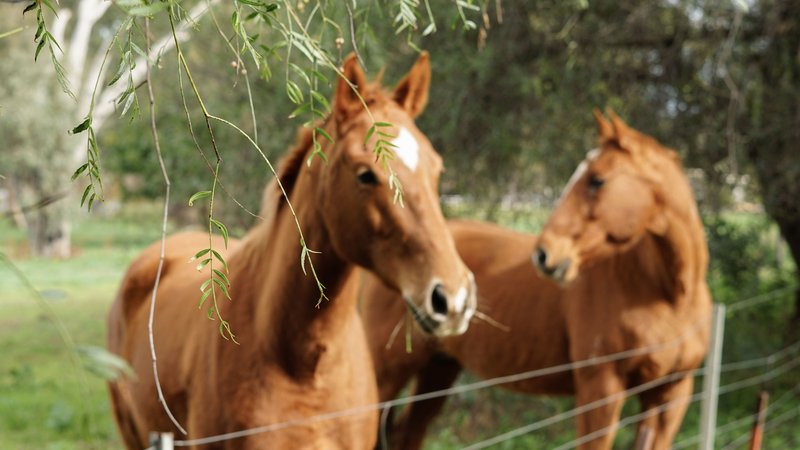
(162, 441)
(761, 417)
(708, 413)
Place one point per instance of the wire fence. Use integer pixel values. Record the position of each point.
(786, 356)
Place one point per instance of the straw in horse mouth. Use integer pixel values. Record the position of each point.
(425, 322)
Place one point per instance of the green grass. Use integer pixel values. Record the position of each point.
(48, 403)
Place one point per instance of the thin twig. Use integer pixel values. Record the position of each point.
(353, 36)
(164, 174)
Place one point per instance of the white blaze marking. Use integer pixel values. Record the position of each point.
(582, 167)
(406, 148)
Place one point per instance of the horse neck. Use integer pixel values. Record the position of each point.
(673, 264)
(281, 304)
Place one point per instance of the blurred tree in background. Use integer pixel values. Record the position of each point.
(34, 117)
(511, 99)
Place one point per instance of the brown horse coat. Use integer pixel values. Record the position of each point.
(294, 360)
(644, 288)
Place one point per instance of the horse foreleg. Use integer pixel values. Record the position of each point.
(409, 430)
(674, 399)
(599, 389)
(124, 417)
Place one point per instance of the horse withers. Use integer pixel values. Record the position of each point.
(295, 360)
(644, 289)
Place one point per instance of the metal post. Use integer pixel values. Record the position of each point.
(708, 413)
(162, 441)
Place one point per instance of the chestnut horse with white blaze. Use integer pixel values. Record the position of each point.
(295, 360)
(621, 265)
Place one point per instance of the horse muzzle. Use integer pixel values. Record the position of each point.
(445, 312)
(550, 267)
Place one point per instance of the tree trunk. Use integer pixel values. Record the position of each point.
(49, 232)
(775, 126)
(14, 208)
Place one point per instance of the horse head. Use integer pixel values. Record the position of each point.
(627, 188)
(401, 237)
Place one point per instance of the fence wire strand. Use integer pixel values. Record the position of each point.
(731, 387)
(483, 384)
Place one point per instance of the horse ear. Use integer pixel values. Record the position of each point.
(604, 128)
(626, 136)
(346, 101)
(412, 91)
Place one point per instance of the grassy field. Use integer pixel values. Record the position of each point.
(49, 402)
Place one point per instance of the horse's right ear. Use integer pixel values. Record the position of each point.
(412, 91)
(346, 102)
(604, 127)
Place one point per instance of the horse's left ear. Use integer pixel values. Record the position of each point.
(346, 102)
(412, 91)
(604, 128)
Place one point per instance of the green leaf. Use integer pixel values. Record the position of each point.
(148, 10)
(91, 201)
(203, 298)
(50, 5)
(225, 327)
(118, 74)
(130, 98)
(223, 277)
(319, 76)
(83, 126)
(85, 193)
(104, 363)
(324, 134)
(210, 312)
(294, 92)
(221, 259)
(321, 99)
(39, 31)
(302, 109)
(79, 171)
(197, 196)
(222, 286)
(30, 7)
(222, 229)
(301, 73)
(205, 285)
(370, 132)
(467, 5)
(303, 255)
(200, 254)
(202, 264)
(38, 49)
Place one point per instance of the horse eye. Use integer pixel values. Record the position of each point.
(366, 176)
(595, 182)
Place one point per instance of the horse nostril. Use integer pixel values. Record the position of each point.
(439, 300)
(540, 257)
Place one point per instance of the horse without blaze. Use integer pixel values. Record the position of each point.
(624, 258)
(293, 360)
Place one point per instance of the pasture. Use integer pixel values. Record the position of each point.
(47, 403)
